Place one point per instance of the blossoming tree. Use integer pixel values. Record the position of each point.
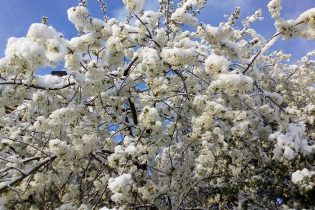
(152, 116)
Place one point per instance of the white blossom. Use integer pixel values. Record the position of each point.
(134, 5)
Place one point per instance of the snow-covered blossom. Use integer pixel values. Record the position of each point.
(120, 186)
(256, 16)
(149, 116)
(43, 46)
(232, 82)
(308, 17)
(83, 42)
(134, 5)
(292, 142)
(215, 65)
(177, 57)
(58, 147)
(274, 7)
(181, 16)
(94, 25)
(26, 49)
(72, 61)
(205, 161)
(302, 178)
(149, 19)
(78, 15)
(52, 41)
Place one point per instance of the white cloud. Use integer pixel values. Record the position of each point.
(121, 14)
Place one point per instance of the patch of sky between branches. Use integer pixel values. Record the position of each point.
(114, 128)
(47, 70)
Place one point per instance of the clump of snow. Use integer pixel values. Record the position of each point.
(119, 186)
(221, 40)
(149, 18)
(181, 16)
(131, 149)
(302, 178)
(39, 32)
(308, 16)
(53, 42)
(289, 153)
(299, 175)
(276, 97)
(303, 26)
(51, 81)
(292, 142)
(43, 46)
(82, 43)
(67, 206)
(56, 50)
(27, 49)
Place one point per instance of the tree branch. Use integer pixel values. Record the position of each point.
(37, 87)
(26, 174)
(127, 70)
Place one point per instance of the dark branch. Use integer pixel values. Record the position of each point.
(37, 87)
(127, 70)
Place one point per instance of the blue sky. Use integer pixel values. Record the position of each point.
(17, 15)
